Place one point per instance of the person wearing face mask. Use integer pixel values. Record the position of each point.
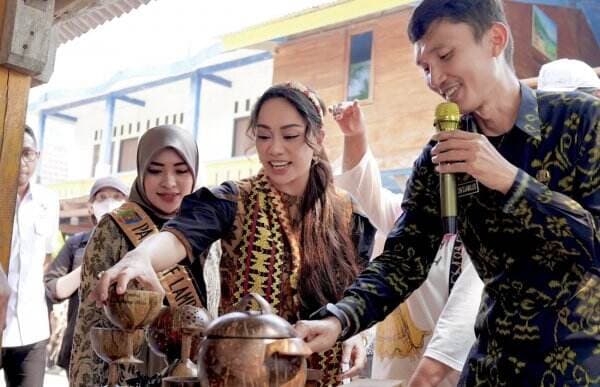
(109, 194)
(63, 276)
(167, 164)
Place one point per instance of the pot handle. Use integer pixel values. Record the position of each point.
(292, 346)
(243, 304)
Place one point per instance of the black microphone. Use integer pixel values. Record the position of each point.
(447, 117)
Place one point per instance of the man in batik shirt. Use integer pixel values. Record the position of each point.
(531, 227)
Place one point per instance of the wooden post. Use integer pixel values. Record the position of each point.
(14, 90)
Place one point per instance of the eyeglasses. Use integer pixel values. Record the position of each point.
(29, 155)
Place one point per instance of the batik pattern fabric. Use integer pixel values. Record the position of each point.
(266, 233)
(399, 337)
(68, 259)
(106, 246)
(259, 232)
(536, 249)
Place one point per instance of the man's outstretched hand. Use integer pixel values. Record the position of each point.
(320, 335)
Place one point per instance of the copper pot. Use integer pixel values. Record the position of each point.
(251, 348)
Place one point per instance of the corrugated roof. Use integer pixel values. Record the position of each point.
(73, 18)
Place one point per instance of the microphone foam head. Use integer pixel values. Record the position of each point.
(447, 116)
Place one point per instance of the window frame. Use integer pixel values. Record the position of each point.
(350, 32)
(137, 140)
(247, 152)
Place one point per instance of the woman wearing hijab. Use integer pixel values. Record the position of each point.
(286, 233)
(167, 164)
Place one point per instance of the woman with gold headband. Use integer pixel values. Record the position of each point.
(286, 233)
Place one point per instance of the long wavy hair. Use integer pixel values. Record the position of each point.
(329, 258)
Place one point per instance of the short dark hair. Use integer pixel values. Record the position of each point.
(31, 134)
(480, 15)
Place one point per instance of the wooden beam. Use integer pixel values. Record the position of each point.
(14, 89)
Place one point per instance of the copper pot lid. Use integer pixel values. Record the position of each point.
(245, 324)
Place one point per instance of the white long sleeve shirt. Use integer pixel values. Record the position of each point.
(449, 320)
(34, 231)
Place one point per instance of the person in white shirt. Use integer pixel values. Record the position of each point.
(568, 75)
(4, 294)
(426, 340)
(35, 226)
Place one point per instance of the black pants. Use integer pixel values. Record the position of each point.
(25, 366)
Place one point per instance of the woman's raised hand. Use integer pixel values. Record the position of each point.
(349, 117)
(134, 265)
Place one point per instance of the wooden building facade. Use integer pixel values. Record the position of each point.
(398, 106)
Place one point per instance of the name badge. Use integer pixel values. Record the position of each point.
(467, 188)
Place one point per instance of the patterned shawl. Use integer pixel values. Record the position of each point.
(268, 242)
